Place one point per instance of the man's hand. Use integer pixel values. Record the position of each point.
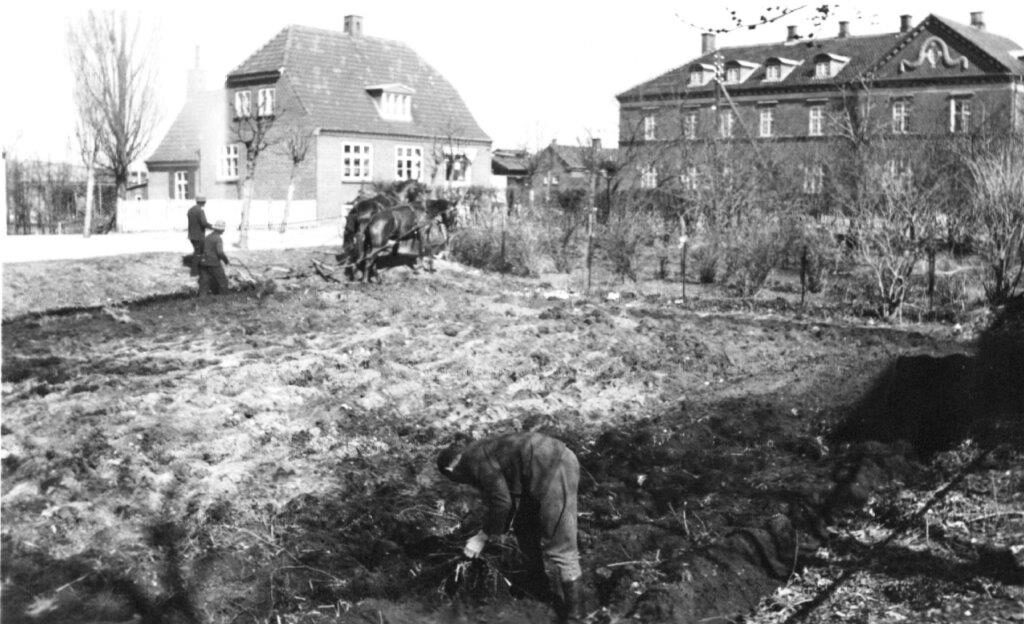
(475, 545)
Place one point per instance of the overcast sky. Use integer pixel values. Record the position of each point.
(530, 71)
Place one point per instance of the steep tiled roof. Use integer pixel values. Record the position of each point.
(197, 118)
(575, 156)
(999, 48)
(864, 53)
(329, 73)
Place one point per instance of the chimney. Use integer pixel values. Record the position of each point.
(354, 25)
(791, 33)
(595, 142)
(195, 81)
(844, 29)
(904, 23)
(707, 43)
(978, 20)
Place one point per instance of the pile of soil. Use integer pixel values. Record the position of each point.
(271, 456)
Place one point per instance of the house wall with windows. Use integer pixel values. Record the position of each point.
(938, 79)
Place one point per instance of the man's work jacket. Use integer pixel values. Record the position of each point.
(197, 223)
(213, 250)
(511, 467)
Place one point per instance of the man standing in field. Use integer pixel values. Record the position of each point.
(211, 272)
(197, 226)
(528, 482)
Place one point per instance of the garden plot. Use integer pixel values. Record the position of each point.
(271, 458)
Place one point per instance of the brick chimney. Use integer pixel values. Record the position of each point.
(195, 80)
(707, 43)
(595, 142)
(354, 25)
(978, 20)
(844, 29)
(904, 23)
(791, 33)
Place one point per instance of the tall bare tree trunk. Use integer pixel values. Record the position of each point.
(288, 202)
(243, 226)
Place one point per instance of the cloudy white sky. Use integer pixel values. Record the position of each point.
(531, 71)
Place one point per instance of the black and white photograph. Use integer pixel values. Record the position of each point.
(400, 312)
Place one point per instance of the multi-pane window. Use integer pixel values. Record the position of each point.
(243, 103)
(767, 121)
(816, 120)
(773, 72)
(408, 162)
(814, 179)
(690, 125)
(356, 161)
(181, 184)
(456, 167)
(732, 75)
(229, 163)
(650, 127)
(901, 117)
(696, 76)
(822, 69)
(959, 115)
(396, 106)
(726, 120)
(649, 177)
(265, 101)
(689, 178)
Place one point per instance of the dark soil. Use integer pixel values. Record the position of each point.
(268, 456)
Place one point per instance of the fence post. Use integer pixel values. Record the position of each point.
(683, 242)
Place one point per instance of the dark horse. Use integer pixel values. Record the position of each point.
(361, 213)
(389, 227)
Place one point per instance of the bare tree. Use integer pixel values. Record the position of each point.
(997, 214)
(114, 88)
(256, 131)
(297, 142)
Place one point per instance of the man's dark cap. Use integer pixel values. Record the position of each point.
(446, 457)
(200, 199)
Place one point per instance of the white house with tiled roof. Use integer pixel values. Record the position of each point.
(375, 109)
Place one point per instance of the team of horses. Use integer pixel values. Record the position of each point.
(385, 220)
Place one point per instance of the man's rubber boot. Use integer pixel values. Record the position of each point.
(570, 605)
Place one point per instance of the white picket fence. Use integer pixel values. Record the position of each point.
(159, 215)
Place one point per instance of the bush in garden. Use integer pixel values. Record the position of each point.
(808, 248)
(750, 251)
(484, 241)
(705, 258)
(621, 240)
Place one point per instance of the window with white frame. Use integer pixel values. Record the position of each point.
(767, 121)
(814, 179)
(243, 103)
(649, 177)
(733, 75)
(696, 76)
(960, 115)
(408, 162)
(228, 164)
(396, 106)
(265, 101)
(899, 175)
(356, 161)
(456, 167)
(689, 178)
(901, 117)
(650, 127)
(816, 120)
(726, 120)
(690, 125)
(822, 68)
(773, 72)
(181, 185)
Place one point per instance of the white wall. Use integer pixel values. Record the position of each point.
(155, 215)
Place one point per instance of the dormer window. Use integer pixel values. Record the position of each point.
(393, 101)
(828, 65)
(701, 74)
(738, 71)
(776, 68)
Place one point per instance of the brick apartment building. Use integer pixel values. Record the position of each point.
(375, 110)
(938, 78)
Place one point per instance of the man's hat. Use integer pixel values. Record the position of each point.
(219, 225)
(200, 199)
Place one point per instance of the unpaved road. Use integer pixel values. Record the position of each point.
(251, 458)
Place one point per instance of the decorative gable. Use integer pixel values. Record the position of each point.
(934, 51)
